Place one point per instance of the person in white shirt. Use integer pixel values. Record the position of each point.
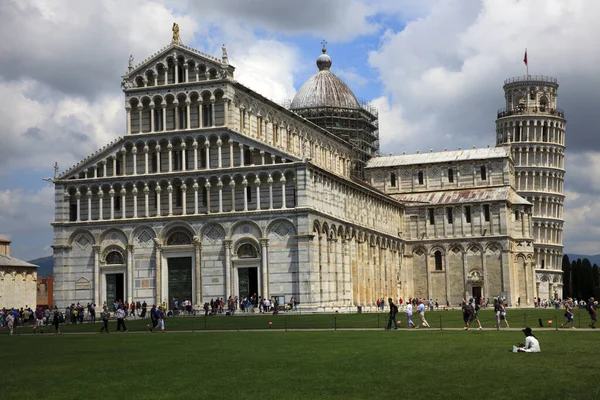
(409, 311)
(532, 345)
(421, 311)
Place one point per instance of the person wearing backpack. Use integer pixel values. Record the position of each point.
(466, 311)
(591, 309)
(58, 318)
(104, 316)
(392, 315)
(474, 313)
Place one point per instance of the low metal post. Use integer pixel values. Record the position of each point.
(556, 322)
(334, 323)
(378, 321)
(440, 322)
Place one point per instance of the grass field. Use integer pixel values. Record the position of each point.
(300, 365)
(439, 319)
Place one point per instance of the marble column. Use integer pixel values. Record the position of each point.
(198, 271)
(158, 277)
(89, 204)
(130, 262)
(100, 205)
(232, 186)
(96, 249)
(227, 243)
(264, 243)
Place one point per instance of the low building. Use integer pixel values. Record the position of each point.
(17, 280)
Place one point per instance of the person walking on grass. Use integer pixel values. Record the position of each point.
(39, 320)
(474, 313)
(57, 319)
(591, 309)
(104, 317)
(421, 311)
(497, 313)
(503, 314)
(409, 312)
(10, 323)
(466, 312)
(160, 320)
(569, 314)
(121, 314)
(392, 315)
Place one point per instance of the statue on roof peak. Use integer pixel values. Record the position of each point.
(175, 30)
(225, 59)
(131, 62)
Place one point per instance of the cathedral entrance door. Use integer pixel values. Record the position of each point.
(179, 280)
(477, 292)
(115, 289)
(248, 281)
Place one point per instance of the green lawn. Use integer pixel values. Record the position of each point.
(299, 365)
(444, 319)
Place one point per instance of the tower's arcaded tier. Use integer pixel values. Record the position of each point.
(534, 127)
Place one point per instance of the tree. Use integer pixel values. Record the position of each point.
(566, 268)
(596, 271)
(576, 278)
(587, 287)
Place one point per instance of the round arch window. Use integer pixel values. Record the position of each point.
(247, 251)
(114, 258)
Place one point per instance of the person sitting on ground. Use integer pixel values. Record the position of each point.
(532, 345)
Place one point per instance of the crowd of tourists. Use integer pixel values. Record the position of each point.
(42, 318)
(470, 312)
(247, 304)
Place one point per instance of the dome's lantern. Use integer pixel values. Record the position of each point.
(324, 89)
(324, 61)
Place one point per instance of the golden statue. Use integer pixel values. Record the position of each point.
(175, 33)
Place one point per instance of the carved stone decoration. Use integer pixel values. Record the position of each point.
(145, 238)
(282, 230)
(475, 276)
(84, 240)
(419, 252)
(214, 234)
(83, 284)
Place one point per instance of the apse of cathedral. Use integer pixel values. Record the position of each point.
(214, 191)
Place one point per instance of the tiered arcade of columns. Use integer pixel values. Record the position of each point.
(534, 127)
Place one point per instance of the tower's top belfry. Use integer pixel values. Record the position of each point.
(531, 94)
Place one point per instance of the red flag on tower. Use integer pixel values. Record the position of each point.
(525, 58)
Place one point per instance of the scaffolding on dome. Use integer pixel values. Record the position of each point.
(359, 127)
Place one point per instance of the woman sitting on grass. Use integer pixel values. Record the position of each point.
(532, 345)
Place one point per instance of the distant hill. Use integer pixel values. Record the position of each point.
(46, 265)
(593, 259)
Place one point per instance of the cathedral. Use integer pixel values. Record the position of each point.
(216, 191)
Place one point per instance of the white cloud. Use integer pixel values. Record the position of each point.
(443, 77)
(26, 215)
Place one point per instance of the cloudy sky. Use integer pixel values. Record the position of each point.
(435, 70)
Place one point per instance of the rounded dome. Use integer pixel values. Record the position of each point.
(324, 89)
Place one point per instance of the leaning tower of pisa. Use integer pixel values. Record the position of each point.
(534, 127)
